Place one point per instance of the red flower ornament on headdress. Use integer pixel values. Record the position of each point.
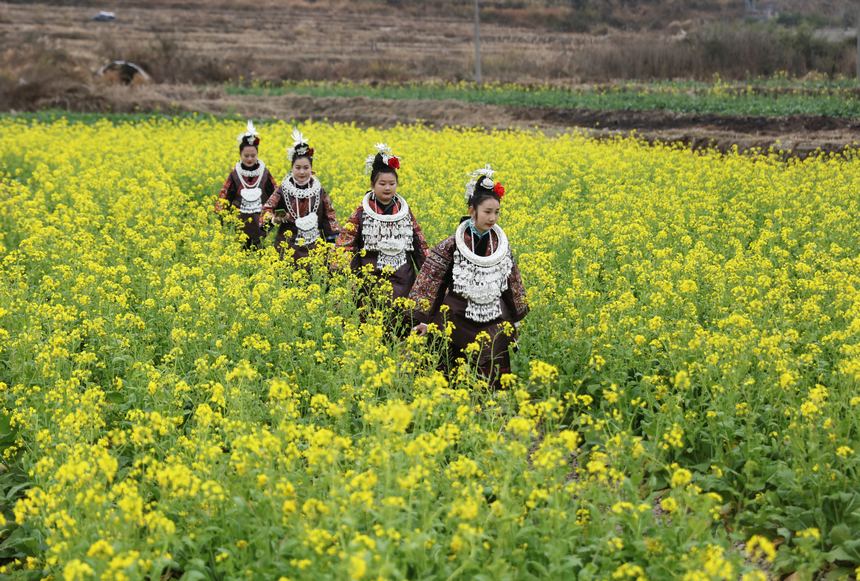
(383, 152)
(483, 178)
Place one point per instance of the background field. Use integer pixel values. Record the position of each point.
(685, 398)
(193, 49)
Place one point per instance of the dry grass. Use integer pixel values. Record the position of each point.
(39, 75)
(168, 60)
(730, 51)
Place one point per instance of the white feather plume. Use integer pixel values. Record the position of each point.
(368, 163)
(250, 131)
(297, 137)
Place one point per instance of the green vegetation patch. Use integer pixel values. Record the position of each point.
(760, 97)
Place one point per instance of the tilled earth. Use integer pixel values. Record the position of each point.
(796, 135)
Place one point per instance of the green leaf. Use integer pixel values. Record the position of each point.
(7, 432)
(840, 534)
(115, 397)
(837, 554)
(797, 518)
(852, 548)
(848, 550)
(784, 533)
(20, 543)
(12, 493)
(839, 573)
(838, 506)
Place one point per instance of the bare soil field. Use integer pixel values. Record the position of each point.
(799, 136)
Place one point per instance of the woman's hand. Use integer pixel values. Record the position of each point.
(270, 217)
(420, 329)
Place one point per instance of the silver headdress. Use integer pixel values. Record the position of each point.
(483, 176)
(249, 136)
(299, 147)
(388, 158)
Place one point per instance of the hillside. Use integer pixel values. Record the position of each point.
(205, 41)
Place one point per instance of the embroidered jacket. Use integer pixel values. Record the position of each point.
(232, 186)
(327, 220)
(352, 240)
(436, 279)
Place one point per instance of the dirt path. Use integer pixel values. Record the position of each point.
(799, 135)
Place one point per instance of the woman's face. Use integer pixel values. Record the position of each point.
(249, 155)
(385, 187)
(301, 171)
(486, 214)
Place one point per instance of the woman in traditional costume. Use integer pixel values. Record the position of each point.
(300, 206)
(474, 273)
(248, 187)
(383, 233)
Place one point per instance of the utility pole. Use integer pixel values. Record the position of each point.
(857, 28)
(477, 42)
